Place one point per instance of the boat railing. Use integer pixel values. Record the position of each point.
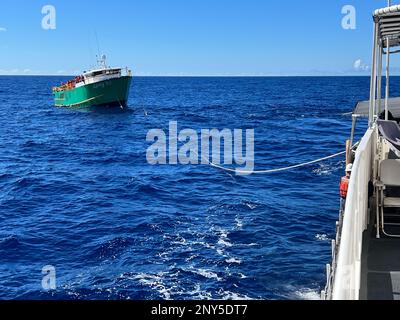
(345, 274)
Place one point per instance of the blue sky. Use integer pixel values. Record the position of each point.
(181, 37)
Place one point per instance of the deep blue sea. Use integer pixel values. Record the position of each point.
(77, 193)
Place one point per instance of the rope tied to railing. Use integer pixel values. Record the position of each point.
(244, 172)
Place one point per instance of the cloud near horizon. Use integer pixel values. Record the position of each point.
(359, 65)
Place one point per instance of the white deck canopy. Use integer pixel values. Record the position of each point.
(388, 20)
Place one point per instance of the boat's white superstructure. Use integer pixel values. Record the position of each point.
(103, 72)
(366, 251)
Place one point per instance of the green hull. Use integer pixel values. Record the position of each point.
(107, 92)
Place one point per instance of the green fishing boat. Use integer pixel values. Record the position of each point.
(103, 86)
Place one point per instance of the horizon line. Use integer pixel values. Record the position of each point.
(203, 76)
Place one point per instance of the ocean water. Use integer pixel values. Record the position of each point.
(77, 193)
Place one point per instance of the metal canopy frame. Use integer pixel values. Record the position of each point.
(386, 36)
(388, 20)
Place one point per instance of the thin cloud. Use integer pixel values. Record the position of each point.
(359, 65)
(2, 29)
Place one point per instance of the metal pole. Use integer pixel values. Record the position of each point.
(387, 79)
(372, 97)
(353, 130)
(387, 74)
(380, 49)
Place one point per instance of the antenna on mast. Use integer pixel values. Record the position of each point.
(97, 42)
(101, 59)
